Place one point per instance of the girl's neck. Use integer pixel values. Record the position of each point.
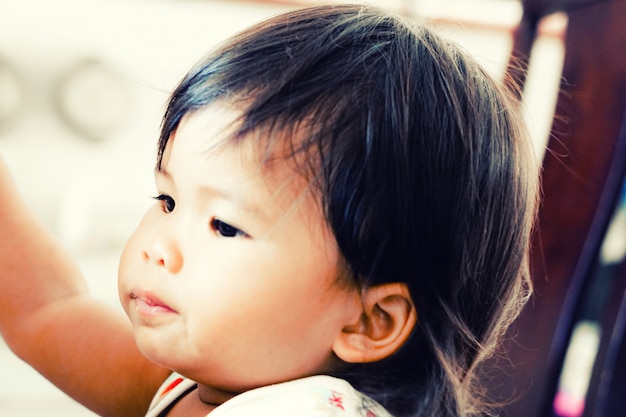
(199, 402)
(213, 396)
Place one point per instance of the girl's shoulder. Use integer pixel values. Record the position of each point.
(316, 396)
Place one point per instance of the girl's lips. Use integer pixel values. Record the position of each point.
(148, 304)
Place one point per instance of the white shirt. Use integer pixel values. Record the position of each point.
(316, 396)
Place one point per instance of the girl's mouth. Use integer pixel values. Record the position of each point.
(147, 304)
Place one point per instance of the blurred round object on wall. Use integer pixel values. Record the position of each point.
(11, 95)
(93, 99)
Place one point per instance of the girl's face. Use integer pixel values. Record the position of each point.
(231, 278)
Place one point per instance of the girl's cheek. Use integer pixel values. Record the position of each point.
(131, 255)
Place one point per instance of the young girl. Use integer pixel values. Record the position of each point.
(341, 225)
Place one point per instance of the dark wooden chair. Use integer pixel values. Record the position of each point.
(584, 170)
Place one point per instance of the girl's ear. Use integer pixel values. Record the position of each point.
(387, 321)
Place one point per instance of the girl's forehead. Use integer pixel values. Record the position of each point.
(213, 132)
(206, 131)
(217, 126)
(212, 125)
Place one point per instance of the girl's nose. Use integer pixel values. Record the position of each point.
(164, 254)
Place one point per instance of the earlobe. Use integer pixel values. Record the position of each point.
(388, 318)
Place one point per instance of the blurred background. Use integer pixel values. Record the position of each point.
(82, 89)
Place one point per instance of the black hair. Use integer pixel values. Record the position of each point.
(424, 169)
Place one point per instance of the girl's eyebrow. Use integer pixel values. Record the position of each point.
(209, 191)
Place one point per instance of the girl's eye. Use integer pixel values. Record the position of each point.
(167, 202)
(226, 229)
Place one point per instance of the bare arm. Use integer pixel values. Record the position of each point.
(48, 318)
